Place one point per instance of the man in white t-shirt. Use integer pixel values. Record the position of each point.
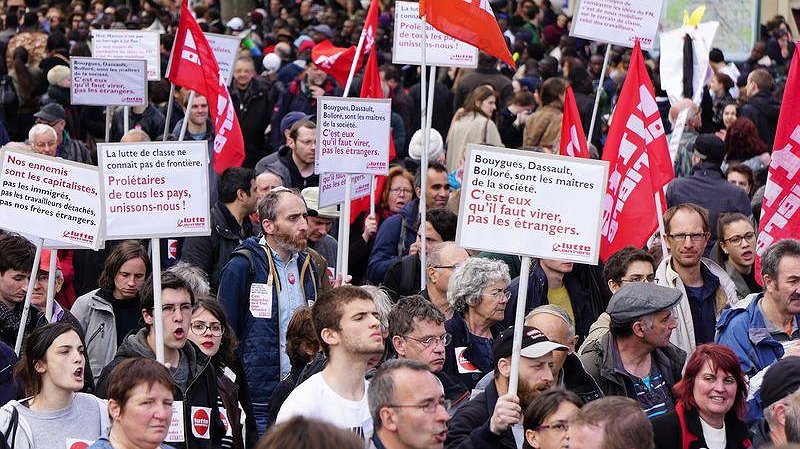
(349, 332)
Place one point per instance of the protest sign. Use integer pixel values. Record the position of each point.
(441, 49)
(224, 48)
(532, 204)
(104, 82)
(127, 44)
(619, 22)
(50, 198)
(331, 188)
(353, 135)
(155, 189)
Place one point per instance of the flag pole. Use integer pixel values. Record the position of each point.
(126, 119)
(597, 95)
(423, 168)
(522, 296)
(158, 313)
(345, 222)
(660, 215)
(372, 182)
(51, 284)
(185, 122)
(37, 258)
(168, 115)
(426, 144)
(108, 124)
(355, 61)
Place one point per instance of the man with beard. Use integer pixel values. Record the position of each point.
(348, 328)
(265, 280)
(772, 315)
(493, 419)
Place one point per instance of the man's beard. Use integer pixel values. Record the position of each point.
(526, 394)
(289, 243)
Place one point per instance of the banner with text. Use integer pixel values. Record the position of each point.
(353, 135)
(619, 22)
(441, 49)
(331, 188)
(225, 48)
(127, 44)
(155, 189)
(51, 198)
(105, 82)
(532, 204)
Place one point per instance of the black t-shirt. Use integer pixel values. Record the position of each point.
(750, 279)
(127, 314)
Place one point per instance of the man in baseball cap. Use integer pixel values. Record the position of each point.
(778, 393)
(636, 358)
(320, 221)
(472, 425)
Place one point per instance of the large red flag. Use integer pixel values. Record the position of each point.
(640, 164)
(193, 66)
(573, 140)
(370, 25)
(779, 219)
(335, 61)
(470, 21)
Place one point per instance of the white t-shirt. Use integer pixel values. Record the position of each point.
(715, 438)
(315, 399)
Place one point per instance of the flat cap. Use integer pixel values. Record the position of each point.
(637, 299)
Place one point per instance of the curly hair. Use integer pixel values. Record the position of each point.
(742, 141)
(469, 280)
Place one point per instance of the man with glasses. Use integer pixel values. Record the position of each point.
(416, 331)
(442, 260)
(198, 424)
(705, 287)
(493, 418)
(635, 358)
(408, 407)
(49, 137)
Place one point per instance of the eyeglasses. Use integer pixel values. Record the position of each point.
(499, 294)
(445, 340)
(737, 239)
(647, 279)
(49, 143)
(559, 426)
(401, 191)
(693, 236)
(427, 406)
(170, 309)
(451, 267)
(199, 328)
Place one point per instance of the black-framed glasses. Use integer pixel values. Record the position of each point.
(199, 328)
(451, 267)
(648, 279)
(445, 340)
(559, 426)
(737, 239)
(427, 406)
(401, 191)
(693, 236)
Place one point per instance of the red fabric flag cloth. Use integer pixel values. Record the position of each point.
(370, 26)
(779, 218)
(573, 140)
(470, 21)
(640, 164)
(335, 61)
(193, 66)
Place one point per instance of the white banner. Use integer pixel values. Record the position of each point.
(531, 204)
(353, 135)
(51, 198)
(619, 22)
(331, 188)
(225, 48)
(441, 49)
(155, 189)
(127, 44)
(104, 82)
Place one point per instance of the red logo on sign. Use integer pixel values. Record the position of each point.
(291, 278)
(200, 421)
(466, 364)
(172, 249)
(79, 445)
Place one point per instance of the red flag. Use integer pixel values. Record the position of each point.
(335, 61)
(573, 140)
(640, 164)
(370, 25)
(193, 66)
(779, 219)
(470, 21)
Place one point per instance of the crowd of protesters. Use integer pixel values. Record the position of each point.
(264, 347)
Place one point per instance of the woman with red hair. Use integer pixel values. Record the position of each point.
(742, 145)
(711, 404)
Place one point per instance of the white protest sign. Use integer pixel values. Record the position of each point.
(51, 198)
(224, 48)
(331, 188)
(441, 49)
(155, 189)
(619, 22)
(127, 44)
(107, 82)
(353, 135)
(531, 204)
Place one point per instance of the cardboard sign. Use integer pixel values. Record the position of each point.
(155, 189)
(127, 44)
(441, 49)
(104, 82)
(51, 198)
(353, 135)
(619, 22)
(224, 48)
(531, 204)
(331, 188)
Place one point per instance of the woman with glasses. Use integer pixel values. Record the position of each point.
(737, 252)
(478, 294)
(547, 419)
(210, 332)
(711, 404)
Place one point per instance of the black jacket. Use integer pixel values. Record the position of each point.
(403, 277)
(462, 343)
(690, 433)
(469, 427)
(150, 121)
(763, 109)
(575, 379)
(254, 109)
